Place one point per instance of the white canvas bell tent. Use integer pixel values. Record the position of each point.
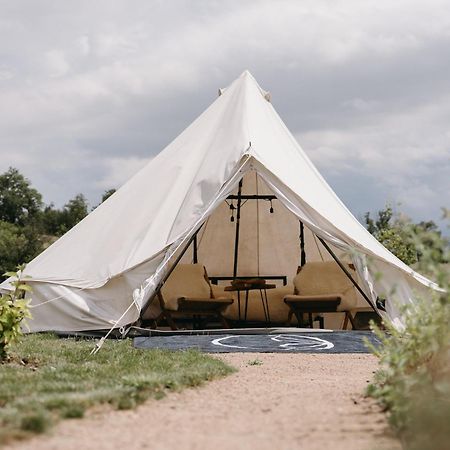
(103, 272)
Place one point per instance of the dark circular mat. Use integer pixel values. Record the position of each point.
(304, 342)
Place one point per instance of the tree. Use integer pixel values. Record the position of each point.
(429, 240)
(74, 211)
(393, 233)
(105, 197)
(25, 228)
(107, 194)
(17, 245)
(52, 221)
(19, 202)
(56, 222)
(405, 239)
(382, 223)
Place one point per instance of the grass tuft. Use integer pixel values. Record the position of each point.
(37, 423)
(255, 362)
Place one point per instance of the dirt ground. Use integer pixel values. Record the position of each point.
(287, 401)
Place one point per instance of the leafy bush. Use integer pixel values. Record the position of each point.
(13, 309)
(406, 239)
(413, 383)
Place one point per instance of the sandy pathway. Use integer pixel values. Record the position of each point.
(290, 401)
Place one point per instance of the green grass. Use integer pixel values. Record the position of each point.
(254, 362)
(47, 379)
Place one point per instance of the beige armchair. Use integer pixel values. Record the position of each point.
(322, 287)
(187, 293)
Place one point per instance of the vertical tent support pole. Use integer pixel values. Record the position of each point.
(349, 275)
(236, 238)
(195, 255)
(302, 245)
(167, 275)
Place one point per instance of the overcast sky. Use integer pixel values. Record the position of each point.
(91, 90)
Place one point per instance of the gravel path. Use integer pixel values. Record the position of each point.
(287, 401)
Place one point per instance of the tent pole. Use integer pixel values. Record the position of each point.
(347, 273)
(302, 245)
(236, 238)
(195, 254)
(167, 275)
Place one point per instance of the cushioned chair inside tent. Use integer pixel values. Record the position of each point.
(187, 293)
(322, 287)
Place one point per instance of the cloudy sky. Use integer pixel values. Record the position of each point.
(90, 90)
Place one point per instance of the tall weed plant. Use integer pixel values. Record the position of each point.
(13, 310)
(413, 382)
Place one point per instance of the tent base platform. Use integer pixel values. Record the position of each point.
(273, 341)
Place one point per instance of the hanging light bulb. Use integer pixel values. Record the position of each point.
(271, 207)
(232, 212)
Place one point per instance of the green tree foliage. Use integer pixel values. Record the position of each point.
(105, 197)
(13, 245)
(428, 239)
(17, 244)
(74, 211)
(26, 226)
(56, 222)
(400, 236)
(20, 204)
(52, 220)
(107, 194)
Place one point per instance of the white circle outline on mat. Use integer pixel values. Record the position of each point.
(296, 341)
(218, 341)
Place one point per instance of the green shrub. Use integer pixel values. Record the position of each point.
(13, 310)
(37, 422)
(413, 382)
(74, 411)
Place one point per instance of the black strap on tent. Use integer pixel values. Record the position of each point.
(236, 238)
(302, 245)
(346, 272)
(194, 250)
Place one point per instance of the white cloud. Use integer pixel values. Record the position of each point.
(56, 62)
(84, 45)
(360, 83)
(119, 170)
(407, 153)
(5, 74)
(359, 104)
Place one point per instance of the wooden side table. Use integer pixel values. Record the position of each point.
(247, 287)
